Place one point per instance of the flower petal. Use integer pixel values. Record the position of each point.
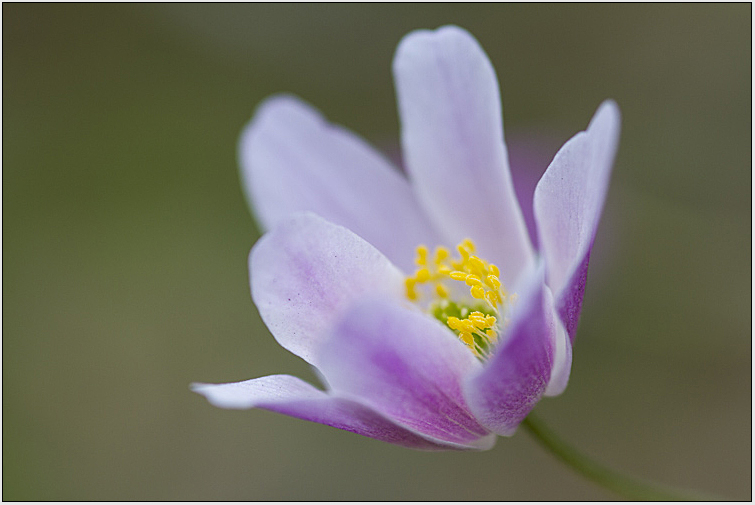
(452, 137)
(562, 352)
(293, 160)
(306, 272)
(407, 366)
(293, 397)
(516, 377)
(568, 202)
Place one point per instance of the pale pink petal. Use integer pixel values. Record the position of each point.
(294, 160)
(517, 375)
(562, 351)
(568, 202)
(307, 271)
(293, 397)
(452, 138)
(407, 366)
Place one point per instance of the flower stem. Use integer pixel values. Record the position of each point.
(625, 486)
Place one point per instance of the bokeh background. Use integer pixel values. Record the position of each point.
(125, 239)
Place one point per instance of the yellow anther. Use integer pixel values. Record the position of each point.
(492, 281)
(464, 253)
(473, 280)
(467, 325)
(441, 253)
(410, 291)
(422, 275)
(476, 329)
(476, 264)
(422, 255)
(477, 292)
(458, 276)
(491, 297)
(467, 339)
(479, 323)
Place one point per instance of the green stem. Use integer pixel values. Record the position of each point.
(625, 486)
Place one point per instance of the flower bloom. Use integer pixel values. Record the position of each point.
(420, 299)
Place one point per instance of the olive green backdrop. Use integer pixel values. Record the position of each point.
(125, 239)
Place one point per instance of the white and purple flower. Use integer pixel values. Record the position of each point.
(422, 347)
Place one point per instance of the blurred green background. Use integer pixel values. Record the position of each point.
(125, 240)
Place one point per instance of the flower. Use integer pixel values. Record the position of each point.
(430, 348)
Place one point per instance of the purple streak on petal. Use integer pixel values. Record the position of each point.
(307, 271)
(568, 202)
(570, 303)
(407, 366)
(293, 397)
(293, 160)
(452, 138)
(516, 377)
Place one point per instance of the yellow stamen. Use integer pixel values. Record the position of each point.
(476, 263)
(467, 339)
(441, 253)
(458, 276)
(477, 329)
(492, 281)
(472, 280)
(491, 297)
(411, 293)
(422, 275)
(464, 253)
(421, 255)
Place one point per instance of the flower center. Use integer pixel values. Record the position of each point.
(477, 320)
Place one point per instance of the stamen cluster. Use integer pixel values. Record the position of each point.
(478, 329)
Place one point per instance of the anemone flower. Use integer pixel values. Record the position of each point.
(419, 299)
